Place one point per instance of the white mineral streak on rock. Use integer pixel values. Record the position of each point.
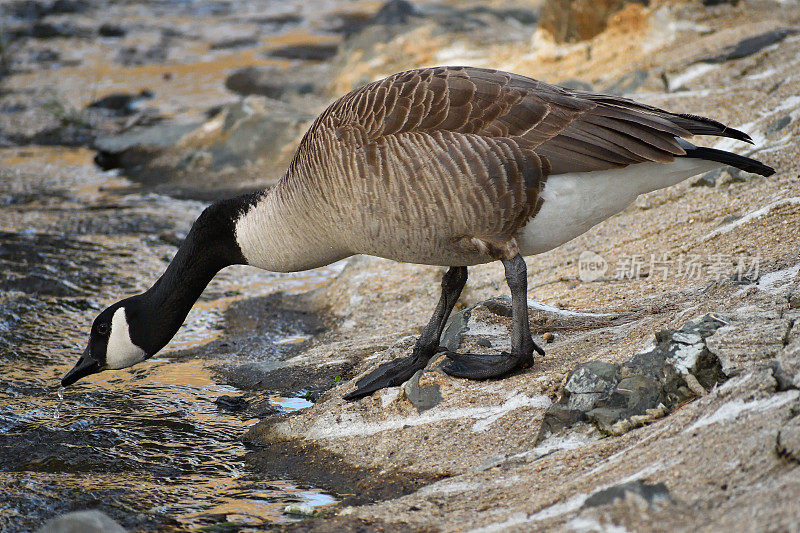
(734, 408)
(351, 424)
(727, 228)
(571, 504)
(775, 282)
(539, 306)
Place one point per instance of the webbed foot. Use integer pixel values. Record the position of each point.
(488, 366)
(391, 374)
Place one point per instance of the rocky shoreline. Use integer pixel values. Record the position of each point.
(668, 398)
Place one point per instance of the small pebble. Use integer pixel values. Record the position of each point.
(301, 510)
(484, 343)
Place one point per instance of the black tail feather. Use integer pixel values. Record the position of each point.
(728, 158)
(706, 126)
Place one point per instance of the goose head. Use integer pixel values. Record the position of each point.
(121, 336)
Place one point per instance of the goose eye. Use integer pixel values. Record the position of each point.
(102, 329)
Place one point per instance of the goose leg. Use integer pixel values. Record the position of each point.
(401, 369)
(482, 366)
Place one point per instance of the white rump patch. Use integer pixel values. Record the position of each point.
(121, 352)
(575, 202)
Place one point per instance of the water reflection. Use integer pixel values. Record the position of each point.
(147, 445)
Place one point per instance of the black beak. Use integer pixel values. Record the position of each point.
(85, 366)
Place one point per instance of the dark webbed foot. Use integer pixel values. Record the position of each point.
(487, 366)
(477, 366)
(400, 370)
(391, 374)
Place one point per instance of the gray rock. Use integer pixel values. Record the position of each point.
(51, 30)
(82, 522)
(777, 125)
(557, 418)
(111, 30)
(590, 383)
(709, 179)
(308, 52)
(422, 397)
(747, 341)
(395, 12)
(629, 83)
(787, 443)
(135, 55)
(605, 417)
(236, 42)
(783, 380)
(789, 360)
(733, 175)
(256, 129)
(153, 137)
(651, 494)
(751, 45)
(638, 394)
(705, 325)
(454, 329)
(794, 298)
(592, 377)
(274, 82)
(500, 306)
(643, 388)
(124, 103)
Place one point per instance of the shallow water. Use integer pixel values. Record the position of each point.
(147, 445)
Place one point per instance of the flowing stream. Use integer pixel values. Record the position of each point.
(147, 445)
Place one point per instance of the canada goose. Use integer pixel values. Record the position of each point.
(451, 166)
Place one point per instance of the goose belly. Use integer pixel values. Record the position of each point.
(575, 202)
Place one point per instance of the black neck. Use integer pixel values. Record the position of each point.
(209, 247)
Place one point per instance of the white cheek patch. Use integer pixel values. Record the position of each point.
(121, 352)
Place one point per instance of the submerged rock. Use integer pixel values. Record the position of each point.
(82, 522)
(232, 403)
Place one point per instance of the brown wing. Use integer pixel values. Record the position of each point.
(507, 131)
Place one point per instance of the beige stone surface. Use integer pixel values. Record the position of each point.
(679, 249)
